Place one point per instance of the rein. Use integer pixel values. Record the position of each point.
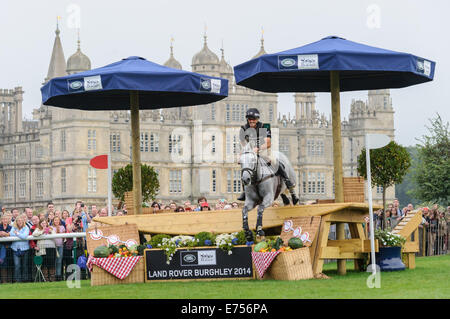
(254, 172)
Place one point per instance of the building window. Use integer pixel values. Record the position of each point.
(228, 118)
(213, 144)
(22, 153)
(92, 141)
(284, 145)
(63, 180)
(235, 146)
(304, 181)
(315, 147)
(8, 185)
(213, 180)
(175, 144)
(22, 184)
(175, 181)
(379, 189)
(233, 181)
(321, 183)
(270, 112)
(114, 142)
(92, 180)
(39, 151)
(213, 112)
(144, 142)
(154, 142)
(63, 140)
(39, 183)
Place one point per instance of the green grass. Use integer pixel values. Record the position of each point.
(430, 279)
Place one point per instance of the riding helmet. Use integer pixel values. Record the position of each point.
(252, 113)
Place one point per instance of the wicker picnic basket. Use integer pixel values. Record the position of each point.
(291, 265)
(100, 277)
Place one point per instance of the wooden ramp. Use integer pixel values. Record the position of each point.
(228, 221)
(408, 228)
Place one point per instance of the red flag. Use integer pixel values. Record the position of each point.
(100, 162)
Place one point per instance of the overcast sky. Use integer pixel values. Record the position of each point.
(112, 30)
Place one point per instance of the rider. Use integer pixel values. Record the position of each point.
(260, 135)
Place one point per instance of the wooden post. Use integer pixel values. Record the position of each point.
(136, 152)
(337, 157)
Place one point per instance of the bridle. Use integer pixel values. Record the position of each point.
(253, 172)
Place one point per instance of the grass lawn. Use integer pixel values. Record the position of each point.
(430, 279)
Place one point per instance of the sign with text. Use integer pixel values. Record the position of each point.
(199, 263)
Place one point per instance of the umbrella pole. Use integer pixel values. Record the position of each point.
(136, 152)
(337, 157)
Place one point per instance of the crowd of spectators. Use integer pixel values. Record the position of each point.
(18, 262)
(433, 231)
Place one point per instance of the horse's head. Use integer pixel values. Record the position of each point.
(248, 160)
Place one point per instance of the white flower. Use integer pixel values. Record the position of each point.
(230, 252)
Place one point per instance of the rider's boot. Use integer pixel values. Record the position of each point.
(290, 186)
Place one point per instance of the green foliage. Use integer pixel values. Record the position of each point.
(157, 239)
(202, 236)
(242, 240)
(122, 182)
(404, 191)
(388, 164)
(432, 172)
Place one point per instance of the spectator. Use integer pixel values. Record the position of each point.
(94, 211)
(3, 210)
(395, 218)
(119, 213)
(59, 214)
(219, 206)
(200, 200)
(187, 204)
(77, 206)
(59, 243)
(235, 205)
(173, 206)
(275, 204)
(156, 207)
(227, 207)
(47, 249)
(29, 213)
(104, 212)
(50, 217)
(85, 218)
(33, 247)
(5, 250)
(179, 209)
(124, 209)
(41, 216)
(20, 249)
(410, 207)
(50, 208)
(15, 213)
(433, 229)
(388, 219)
(396, 204)
(205, 206)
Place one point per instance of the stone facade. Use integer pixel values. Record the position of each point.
(194, 149)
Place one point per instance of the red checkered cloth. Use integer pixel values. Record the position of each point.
(262, 261)
(119, 267)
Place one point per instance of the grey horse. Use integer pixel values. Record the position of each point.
(262, 186)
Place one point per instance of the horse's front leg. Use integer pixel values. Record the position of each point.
(249, 205)
(267, 200)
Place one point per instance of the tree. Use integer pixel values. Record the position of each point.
(432, 172)
(404, 191)
(388, 166)
(122, 182)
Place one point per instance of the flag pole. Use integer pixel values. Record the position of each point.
(109, 183)
(369, 195)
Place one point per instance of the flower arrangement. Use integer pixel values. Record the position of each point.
(170, 244)
(226, 242)
(388, 239)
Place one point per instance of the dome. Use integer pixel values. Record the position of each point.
(205, 56)
(172, 62)
(78, 62)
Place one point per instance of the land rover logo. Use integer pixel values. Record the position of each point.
(206, 85)
(288, 62)
(420, 66)
(189, 258)
(76, 85)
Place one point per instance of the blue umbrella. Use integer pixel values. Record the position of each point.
(133, 83)
(332, 65)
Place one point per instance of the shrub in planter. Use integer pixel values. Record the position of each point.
(158, 239)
